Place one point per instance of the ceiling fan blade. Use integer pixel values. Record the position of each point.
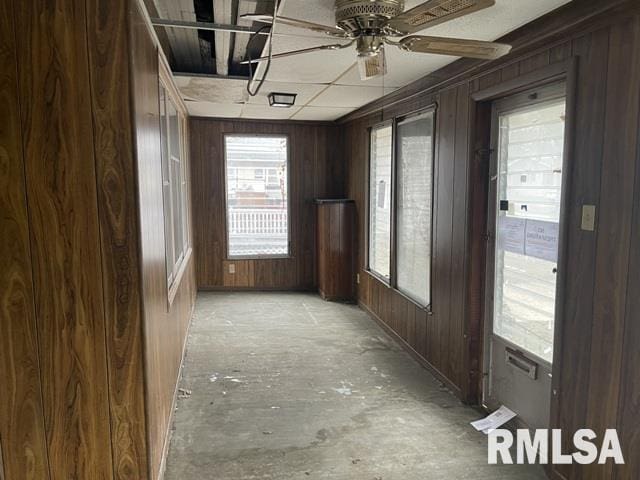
(372, 65)
(454, 46)
(315, 27)
(433, 12)
(336, 46)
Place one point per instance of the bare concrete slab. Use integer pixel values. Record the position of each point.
(287, 386)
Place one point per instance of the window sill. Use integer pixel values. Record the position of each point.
(386, 281)
(259, 257)
(175, 285)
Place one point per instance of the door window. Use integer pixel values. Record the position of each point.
(529, 184)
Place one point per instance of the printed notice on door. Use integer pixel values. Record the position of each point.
(541, 240)
(533, 238)
(511, 235)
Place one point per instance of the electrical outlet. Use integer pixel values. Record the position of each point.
(588, 218)
(232, 268)
(358, 278)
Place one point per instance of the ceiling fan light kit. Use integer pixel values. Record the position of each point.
(373, 23)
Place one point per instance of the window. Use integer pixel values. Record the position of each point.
(400, 204)
(174, 186)
(529, 187)
(257, 206)
(380, 200)
(414, 161)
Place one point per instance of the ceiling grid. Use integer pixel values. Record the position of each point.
(327, 83)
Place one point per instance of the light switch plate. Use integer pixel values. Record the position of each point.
(232, 268)
(588, 218)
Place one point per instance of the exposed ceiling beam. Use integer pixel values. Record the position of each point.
(222, 11)
(210, 75)
(161, 22)
(240, 43)
(184, 43)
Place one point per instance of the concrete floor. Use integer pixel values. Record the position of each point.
(287, 386)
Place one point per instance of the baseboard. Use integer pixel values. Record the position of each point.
(167, 438)
(218, 288)
(409, 349)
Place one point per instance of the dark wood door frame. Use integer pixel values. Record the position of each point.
(479, 190)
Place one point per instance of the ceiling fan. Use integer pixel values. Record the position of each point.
(371, 24)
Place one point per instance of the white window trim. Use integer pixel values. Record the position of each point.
(174, 276)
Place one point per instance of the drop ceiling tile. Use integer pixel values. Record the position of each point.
(312, 67)
(211, 89)
(348, 96)
(496, 21)
(321, 114)
(318, 11)
(209, 109)
(304, 91)
(268, 113)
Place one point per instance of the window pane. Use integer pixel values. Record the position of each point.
(380, 201)
(176, 190)
(257, 206)
(414, 170)
(174, 130)
(164, 137)
(185, 192)
(529, 185)
(166, 184)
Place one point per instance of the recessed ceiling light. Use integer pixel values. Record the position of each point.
(283, 100)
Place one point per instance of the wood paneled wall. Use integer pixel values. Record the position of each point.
(55, 107)
(596, 371)
(109, 66)
(165, 323)
(315, 170)
(22, 430)
(85, 394)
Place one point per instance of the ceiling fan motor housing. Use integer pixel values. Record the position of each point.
(366, 16)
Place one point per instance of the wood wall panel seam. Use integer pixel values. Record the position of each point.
(22, 429)
(164, 327)
(64, 229)
(100, 251)
(108, 40)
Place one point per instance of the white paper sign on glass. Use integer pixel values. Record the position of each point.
(541, 240)
(511, 235)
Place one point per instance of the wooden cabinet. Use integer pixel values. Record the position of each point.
(335, 248)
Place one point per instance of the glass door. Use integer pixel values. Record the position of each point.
(526, 193)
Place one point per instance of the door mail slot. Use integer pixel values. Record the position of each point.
(521, 363)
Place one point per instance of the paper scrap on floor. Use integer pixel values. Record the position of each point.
(493, 421)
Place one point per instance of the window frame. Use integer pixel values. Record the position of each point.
(174, 277)
(392, 281)
(423, 112)
(371, 271)
(290, 253)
